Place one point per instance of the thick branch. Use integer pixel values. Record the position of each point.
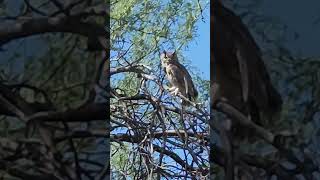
(172, 155)
(234, 114)
(34, 26)
(90, 112)
(270, 138)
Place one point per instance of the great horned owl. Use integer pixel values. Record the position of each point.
(178, 76)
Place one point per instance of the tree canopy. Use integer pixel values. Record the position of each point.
(148, 138)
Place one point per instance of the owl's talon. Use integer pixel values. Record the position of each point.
(171, 89)
(176, 91)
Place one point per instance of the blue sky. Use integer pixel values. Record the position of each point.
(306, 25)
(302, 19)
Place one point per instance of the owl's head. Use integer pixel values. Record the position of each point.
(168, 56)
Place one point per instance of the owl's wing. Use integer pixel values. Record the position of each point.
(186, 80)
(238, 58)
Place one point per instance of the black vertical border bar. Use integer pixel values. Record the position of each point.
(107, 70)
(212, 71)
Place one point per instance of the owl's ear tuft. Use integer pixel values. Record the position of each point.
(174, 54)
(163, 55)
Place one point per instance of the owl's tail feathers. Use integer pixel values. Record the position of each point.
(272, 113)
(275, 100)
(195, 93)
(185, 103)
(192, 96)
(191, 91)
(186, 99)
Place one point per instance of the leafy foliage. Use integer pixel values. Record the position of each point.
(144, 116)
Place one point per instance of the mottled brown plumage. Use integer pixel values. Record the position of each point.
(238, 68)
(178, 76)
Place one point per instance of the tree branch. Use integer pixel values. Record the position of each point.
(35, 26)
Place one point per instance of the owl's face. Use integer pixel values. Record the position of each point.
(166, 57)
